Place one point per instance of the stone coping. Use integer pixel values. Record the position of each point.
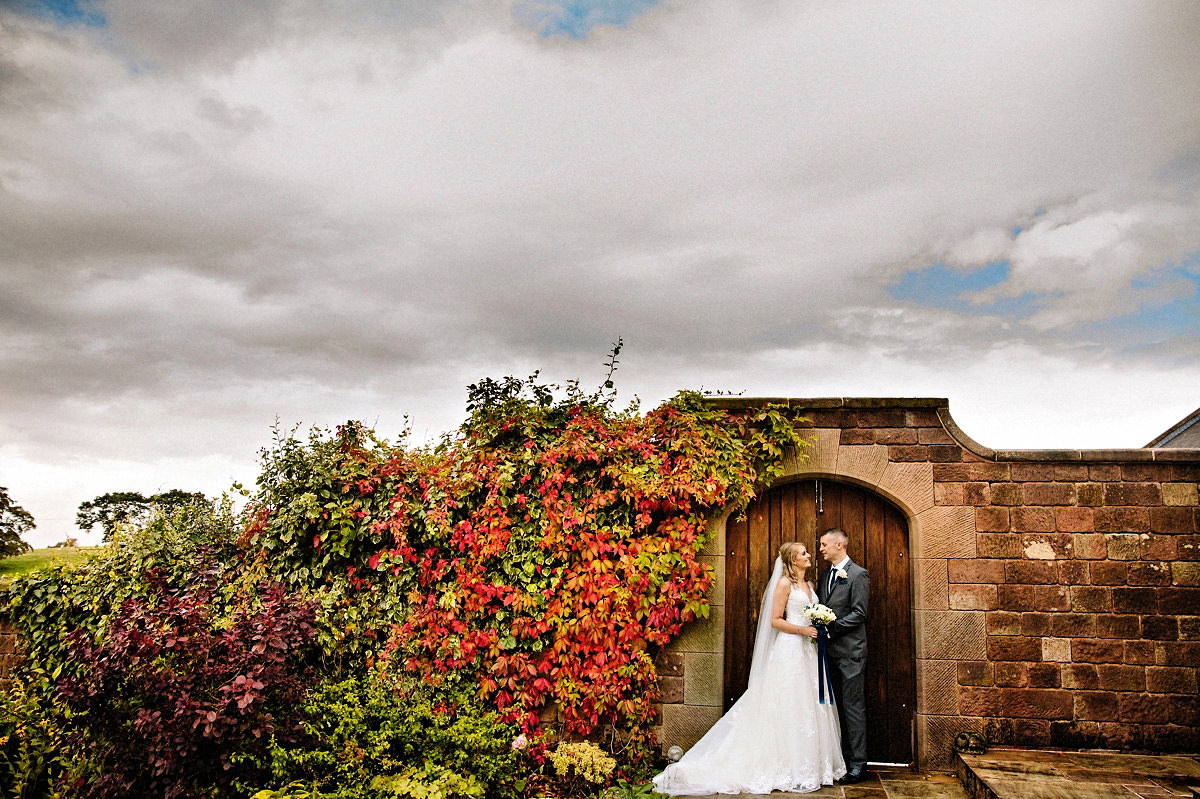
(942, 406)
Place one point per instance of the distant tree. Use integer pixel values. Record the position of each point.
(131, 508)
(15, 521)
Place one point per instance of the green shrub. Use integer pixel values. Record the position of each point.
(376, 735)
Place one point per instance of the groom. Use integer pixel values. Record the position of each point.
(844, 588)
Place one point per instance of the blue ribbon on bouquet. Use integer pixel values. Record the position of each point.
(823, 675)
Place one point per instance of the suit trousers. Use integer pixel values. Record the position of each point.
(849, 690)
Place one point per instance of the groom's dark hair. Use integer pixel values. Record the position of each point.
(836, 532)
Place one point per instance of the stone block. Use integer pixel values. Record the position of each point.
(992, 520)
(1160, 628)
(1014, 647)
(1104, 472)
(669, 664)
(945, 453)
(1002, 622)
(1188, 547)
(1095, 706)
(822, 452)
(933, 435)
(1097, 650)
(1073, 572)
(1142, 709)
(863, 463)
(1179, 653)
(949, 493)
(1006, 494)
(1134, 600)
(1049, 493)
(979, 702)
(1074, 520)
(894, 435)
(1189, 628)
(911, 483)
(1080, 675)
(937, 687)
(1040, 572)
(977, 494)
(1034, 597)
(1158, 547)
(1032, 472)
(878, 417)
(1145, 472)
(1180, 494)
(1141, 494)
(1090, 547)
(1118, 626)
(1124, 546)
(1143, 653)
(703, 635)
(1073, 625)
(990, 472)
(1075, 734)
(1035, 624)
(1057, 650)
(1121, 677)
(1185, 573)
(1033, 520)
(1185, 473)
(1091, 599)
(1143, 573)
(1012, 674)
(703, 678)
(951, 472)
(1044, 675)
(1178, 601)
(1172, 520)
(975, 570)
(949, 634)
(905, 453)
(944, 532)
(929, 585)
(670, 690)
(857, 436)
(935, 737)
(972, 597)
(1108, 572)
(1170, 680)
(1122, 520)
(1089, 494)
(998, 545)
(683, 725)
(976, 672)
(1036, 703)
(1047, 546)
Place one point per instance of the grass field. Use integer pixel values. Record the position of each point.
(19, 564)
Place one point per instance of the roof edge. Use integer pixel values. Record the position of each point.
(1145, 454)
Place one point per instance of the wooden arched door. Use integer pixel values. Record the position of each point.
(878, 531)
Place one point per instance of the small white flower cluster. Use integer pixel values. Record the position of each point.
(819, 614)
(841, 574)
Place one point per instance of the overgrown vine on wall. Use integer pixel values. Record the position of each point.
(543, 555)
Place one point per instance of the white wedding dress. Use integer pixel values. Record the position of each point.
(777, 736)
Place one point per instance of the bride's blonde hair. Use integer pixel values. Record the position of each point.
(788, 553)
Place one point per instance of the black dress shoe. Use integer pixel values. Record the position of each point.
(853, 777)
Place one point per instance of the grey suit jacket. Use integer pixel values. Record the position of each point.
(848, 599)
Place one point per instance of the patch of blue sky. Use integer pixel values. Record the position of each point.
(1178, 316)
(64, 12)
(576, 18)
(941, 286)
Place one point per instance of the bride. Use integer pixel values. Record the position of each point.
(778, 735)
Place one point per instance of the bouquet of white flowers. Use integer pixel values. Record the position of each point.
(819, 614)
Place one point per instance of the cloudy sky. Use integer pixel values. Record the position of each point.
(213, 215)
